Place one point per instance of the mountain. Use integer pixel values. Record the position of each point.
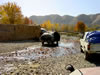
(92, 19)
(53, 18)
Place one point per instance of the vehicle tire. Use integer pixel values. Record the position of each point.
(52, 43)
(42, 43)
(81, 49)
(49, 42)
(57, 43)
(87, 56)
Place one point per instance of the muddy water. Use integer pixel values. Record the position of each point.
(7, 60)
(37, 52)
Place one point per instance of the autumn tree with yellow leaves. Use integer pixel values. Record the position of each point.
(80, 27)
(47, 25)
(57, 27)
(26, 20)
(11, 14)
(31, 22)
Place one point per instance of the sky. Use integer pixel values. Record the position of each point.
(61, 7)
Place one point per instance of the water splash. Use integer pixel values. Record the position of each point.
(66, 44)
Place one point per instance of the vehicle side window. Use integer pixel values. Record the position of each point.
(85, 38)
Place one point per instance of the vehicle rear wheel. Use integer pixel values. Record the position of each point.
(42, 43)
(57, 43)
(52, 43)
(49, 42)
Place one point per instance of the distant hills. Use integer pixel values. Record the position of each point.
(93, 19)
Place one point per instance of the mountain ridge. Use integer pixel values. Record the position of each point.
(91, 19)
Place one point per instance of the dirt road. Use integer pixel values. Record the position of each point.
(38, 60)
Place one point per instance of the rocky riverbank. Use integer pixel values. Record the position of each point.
(38, 60)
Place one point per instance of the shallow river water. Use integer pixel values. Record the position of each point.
(36, 52)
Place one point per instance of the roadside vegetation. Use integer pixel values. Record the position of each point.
(10, 13)
(70, 30)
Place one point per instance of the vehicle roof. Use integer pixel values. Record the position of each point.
(43, 29)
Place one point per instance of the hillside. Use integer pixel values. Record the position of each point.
(92, 19)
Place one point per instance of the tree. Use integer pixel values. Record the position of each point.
(80, 27)
(31, 22)
(26, 20)
(11, 14)
(47, 24)
(57, 27)
(63, 27)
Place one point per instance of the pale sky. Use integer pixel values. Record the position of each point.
(61, 7)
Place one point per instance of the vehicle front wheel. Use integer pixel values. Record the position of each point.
(87, 56)
(81, 49)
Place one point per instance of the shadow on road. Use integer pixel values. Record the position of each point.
(95, 59)
(47, 45)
